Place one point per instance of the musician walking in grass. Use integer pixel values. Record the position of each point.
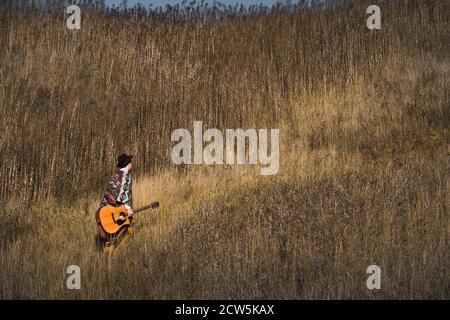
(118, 192)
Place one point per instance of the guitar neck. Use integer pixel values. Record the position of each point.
(142, 209)
(152, 205)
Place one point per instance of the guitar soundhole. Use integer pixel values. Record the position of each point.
(122, 219)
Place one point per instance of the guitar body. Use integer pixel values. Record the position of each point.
(112, 219)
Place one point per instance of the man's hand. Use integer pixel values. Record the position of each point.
(130, 212)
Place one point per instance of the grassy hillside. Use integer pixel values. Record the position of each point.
(364, 122)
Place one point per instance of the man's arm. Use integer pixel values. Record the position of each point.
(113, 188)
(125, 193)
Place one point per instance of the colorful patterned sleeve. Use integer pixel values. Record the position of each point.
(112, 187)
(125, 193)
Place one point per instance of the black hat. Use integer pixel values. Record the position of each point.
(123, 160)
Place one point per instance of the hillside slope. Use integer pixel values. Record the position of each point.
(364, 128)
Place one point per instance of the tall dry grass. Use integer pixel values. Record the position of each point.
(364, 162)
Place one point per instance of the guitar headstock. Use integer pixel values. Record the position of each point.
(154, 204)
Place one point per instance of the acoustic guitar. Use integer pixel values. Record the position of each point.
(112, 219)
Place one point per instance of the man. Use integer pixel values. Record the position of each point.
(118, 191)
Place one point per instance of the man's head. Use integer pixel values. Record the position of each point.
(124, 161)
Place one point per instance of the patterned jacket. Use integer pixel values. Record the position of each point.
(118, 190)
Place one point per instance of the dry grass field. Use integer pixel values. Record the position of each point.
(364, 171)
